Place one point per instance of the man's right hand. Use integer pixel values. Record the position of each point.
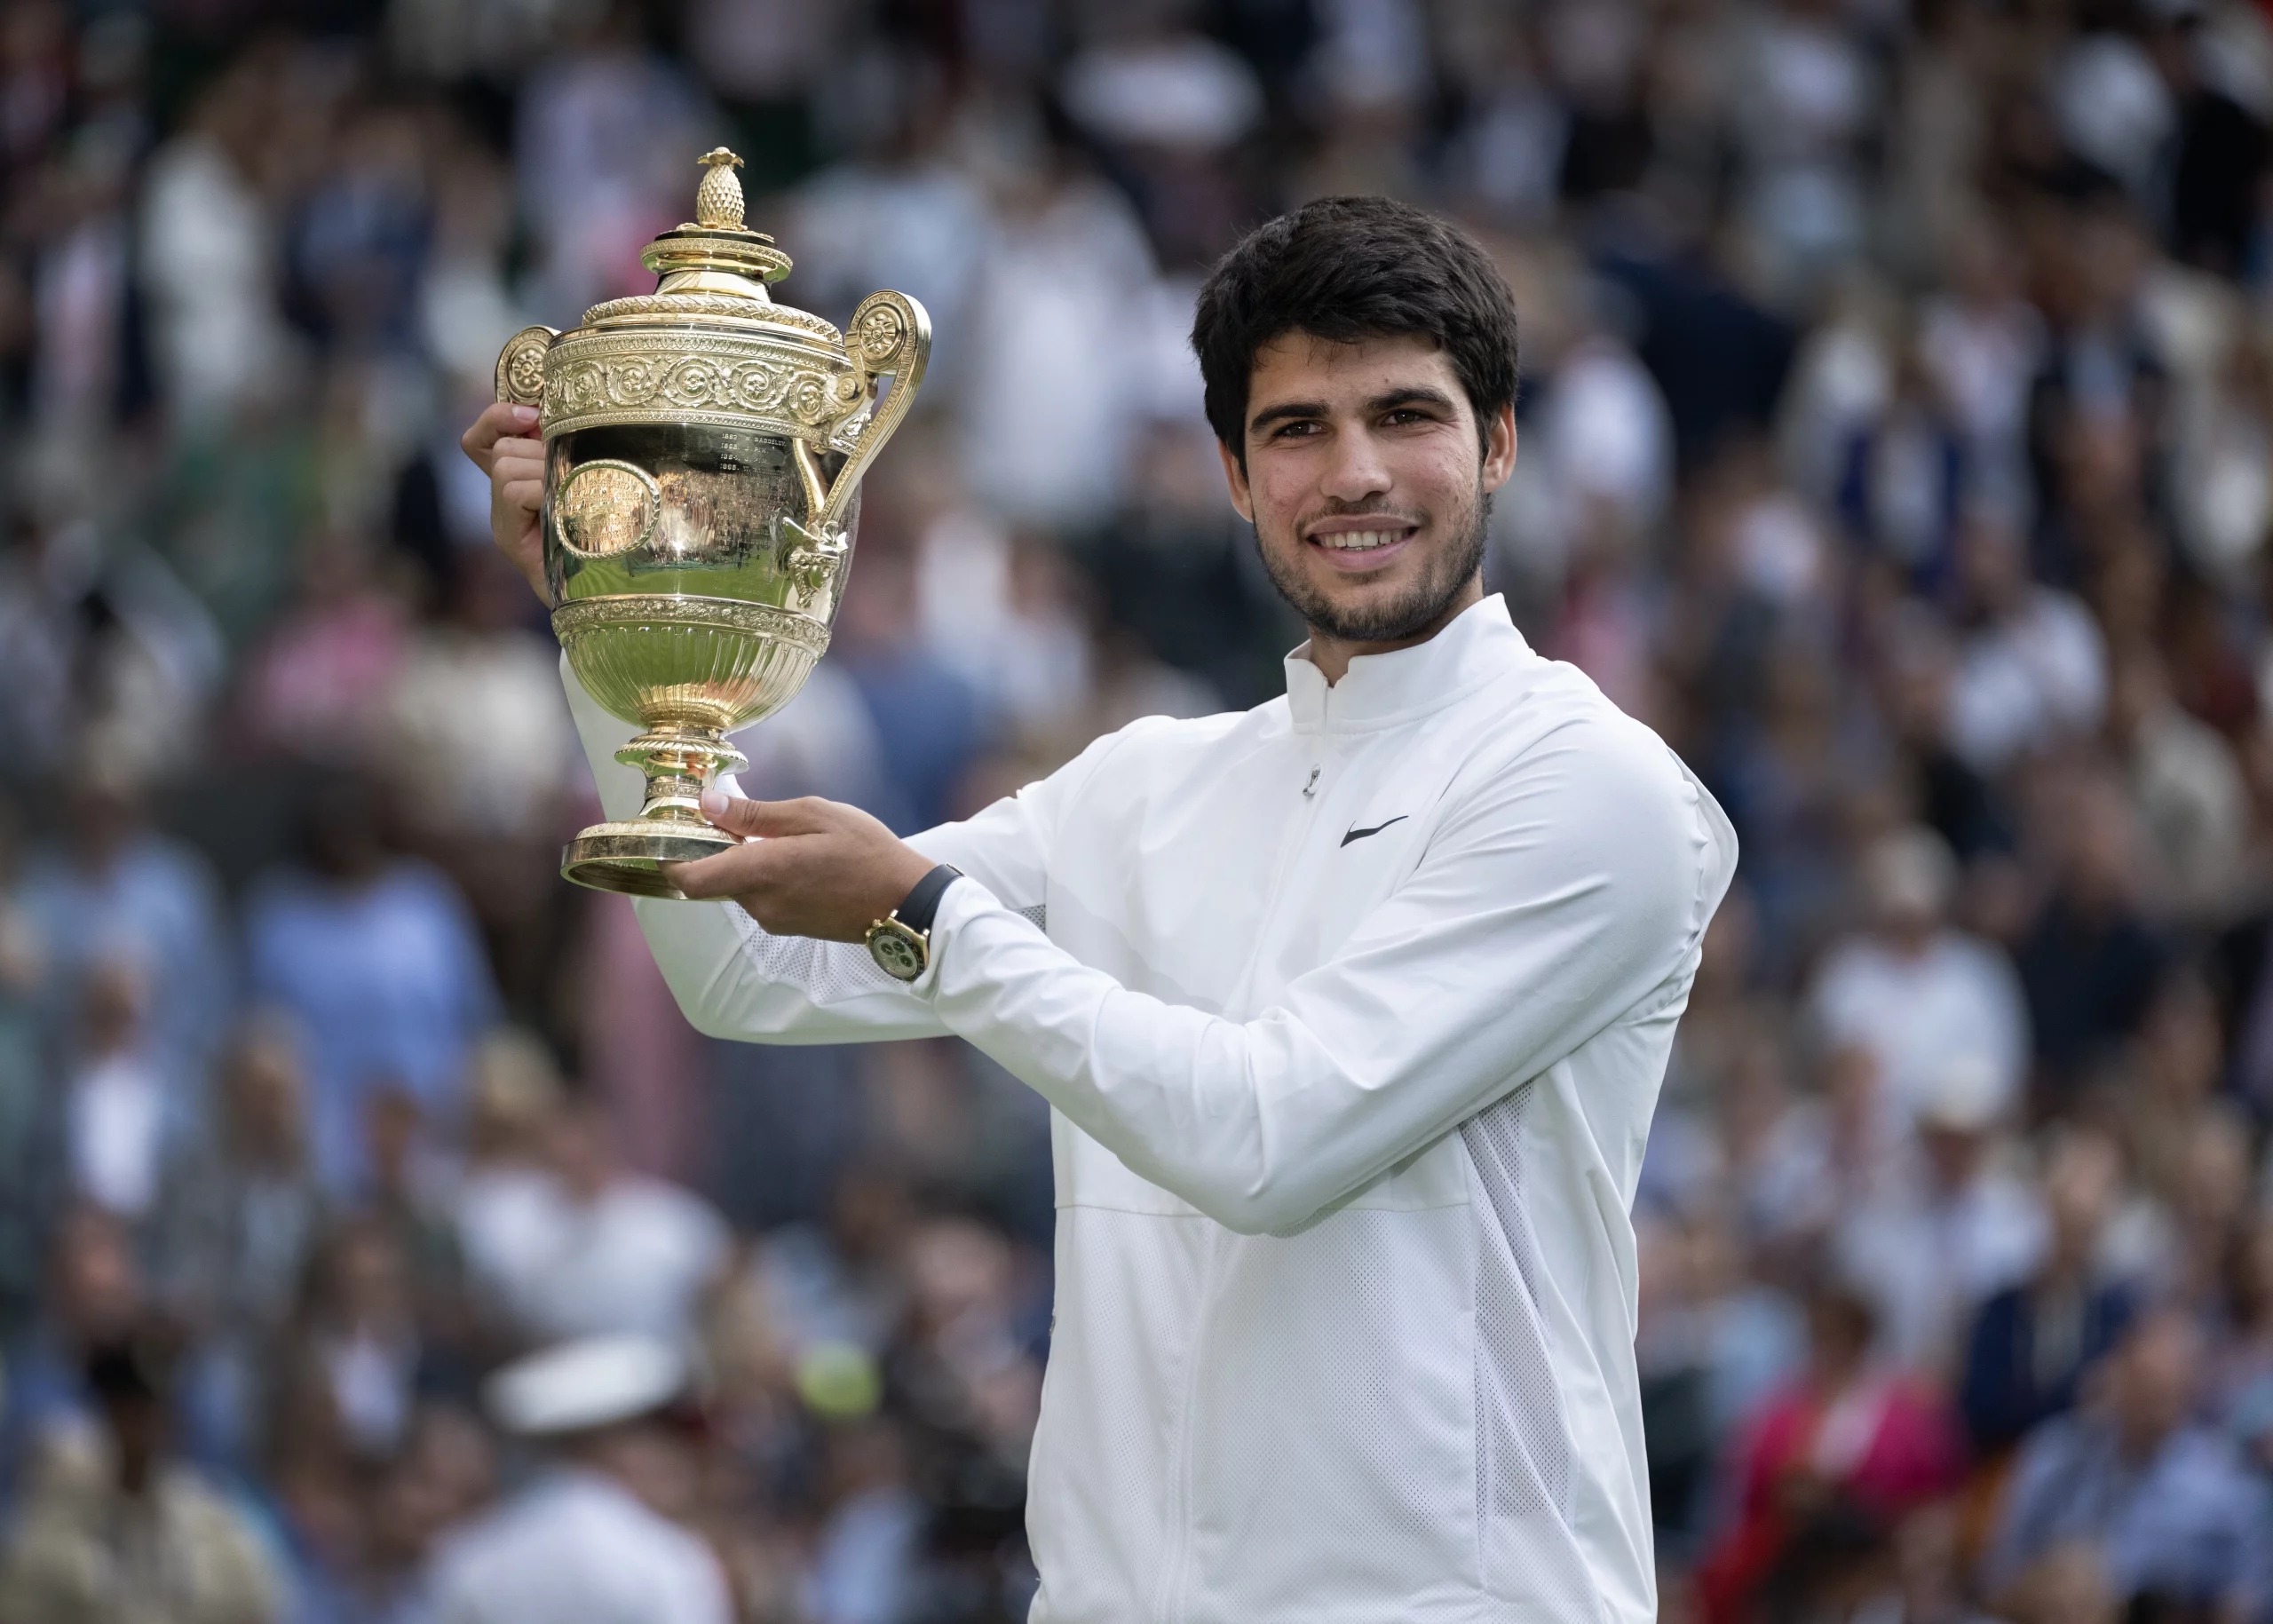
(504, 445)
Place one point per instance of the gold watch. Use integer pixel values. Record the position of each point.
(900, 942)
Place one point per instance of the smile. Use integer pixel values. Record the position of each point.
(1361, 551)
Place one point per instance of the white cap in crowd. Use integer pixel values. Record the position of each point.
(592, 1382)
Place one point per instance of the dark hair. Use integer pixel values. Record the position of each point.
(1347, 268)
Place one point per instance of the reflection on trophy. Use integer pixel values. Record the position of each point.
(704, 447)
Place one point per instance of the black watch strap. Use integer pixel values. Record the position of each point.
(923, 903)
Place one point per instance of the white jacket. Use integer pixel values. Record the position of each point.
(1352, 1011)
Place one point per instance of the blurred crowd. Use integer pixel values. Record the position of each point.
(1897, 439)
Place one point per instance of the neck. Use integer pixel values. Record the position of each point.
(1332, 655)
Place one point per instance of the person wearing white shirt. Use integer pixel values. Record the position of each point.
(1917, 994)
(592, 1540)
(1352, 1008)
(586, 1248)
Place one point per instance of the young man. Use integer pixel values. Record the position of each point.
(1352, 1008)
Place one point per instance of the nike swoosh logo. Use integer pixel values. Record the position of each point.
(1377, 828)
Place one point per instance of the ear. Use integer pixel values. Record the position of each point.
(1499, 448)
(1235, 476)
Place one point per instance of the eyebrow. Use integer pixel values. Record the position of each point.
(1294, 410)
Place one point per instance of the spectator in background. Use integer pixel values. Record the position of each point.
(2241, 1382)
(2033, 1343)
(595, 1539)
(1953, 1226)
(1853, 1436)
(590, 1248)
(926, 718)
(238, 1215)
(374, 958)
(2090, 959)
(356, 1344)
(116, 886)
(1919, 996)
(123, 1530)
(1906, 479)
(2187, 791)
(409, 1198)
(2166, 1502)
(839, 1283)
(210, 263)
(120, 1109)
(94, 1298)
(31, 1128)
(1977, 341)
(2032, 675)
(473, 735)
(241, 1207)
(306, 689)
(512, 1092)
(1069, 279)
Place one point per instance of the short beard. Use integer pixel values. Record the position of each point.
(1423, 604)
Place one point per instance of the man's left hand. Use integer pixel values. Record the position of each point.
(820, 867)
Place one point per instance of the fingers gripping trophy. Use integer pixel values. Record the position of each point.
(704, 447)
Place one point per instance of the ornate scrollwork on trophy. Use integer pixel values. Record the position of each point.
(520, 366)
(683, 305)
(812, 561)
(882, 331)
(890, 336)
(641, 611)
(681, 377)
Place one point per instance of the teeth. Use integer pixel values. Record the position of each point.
(1358, 541)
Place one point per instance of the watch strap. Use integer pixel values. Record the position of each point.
(922, 905)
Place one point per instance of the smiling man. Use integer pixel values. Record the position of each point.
(1351, 1009)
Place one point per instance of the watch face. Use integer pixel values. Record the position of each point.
(896, 951)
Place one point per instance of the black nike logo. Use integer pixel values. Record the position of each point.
(1377, 828)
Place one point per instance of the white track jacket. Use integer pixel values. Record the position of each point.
(1352, 1011)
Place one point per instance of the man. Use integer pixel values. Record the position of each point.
(1917, 993)
(593, 1541)
(1352, 1008)
(2034, 1342)
(116, 1527)
(2170, 1504)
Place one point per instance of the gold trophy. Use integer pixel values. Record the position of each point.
(704, 447)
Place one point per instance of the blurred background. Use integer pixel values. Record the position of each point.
(1897, 439)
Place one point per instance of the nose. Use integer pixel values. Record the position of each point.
(1356, 471)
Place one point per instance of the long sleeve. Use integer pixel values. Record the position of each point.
(734, 979)
(1564, 892)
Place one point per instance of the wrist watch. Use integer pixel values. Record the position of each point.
(901, 942)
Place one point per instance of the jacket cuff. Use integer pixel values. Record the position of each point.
(964, 903)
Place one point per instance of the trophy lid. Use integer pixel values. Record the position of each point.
(714, 268)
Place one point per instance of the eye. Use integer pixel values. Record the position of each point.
(1301, 429)
(1406, 415)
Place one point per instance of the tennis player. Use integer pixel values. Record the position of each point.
(1351, 1009)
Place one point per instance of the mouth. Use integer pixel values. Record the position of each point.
(1350, 547)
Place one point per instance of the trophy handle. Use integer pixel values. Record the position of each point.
(890, 336)
(520, 366)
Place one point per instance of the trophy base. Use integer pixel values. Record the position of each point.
(628, 858)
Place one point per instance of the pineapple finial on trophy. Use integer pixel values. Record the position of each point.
(718, 200)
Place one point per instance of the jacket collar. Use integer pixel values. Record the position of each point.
(1480, 643)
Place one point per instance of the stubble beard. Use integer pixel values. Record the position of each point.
(1425, 604)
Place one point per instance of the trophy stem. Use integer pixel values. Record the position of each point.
(679, 761)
